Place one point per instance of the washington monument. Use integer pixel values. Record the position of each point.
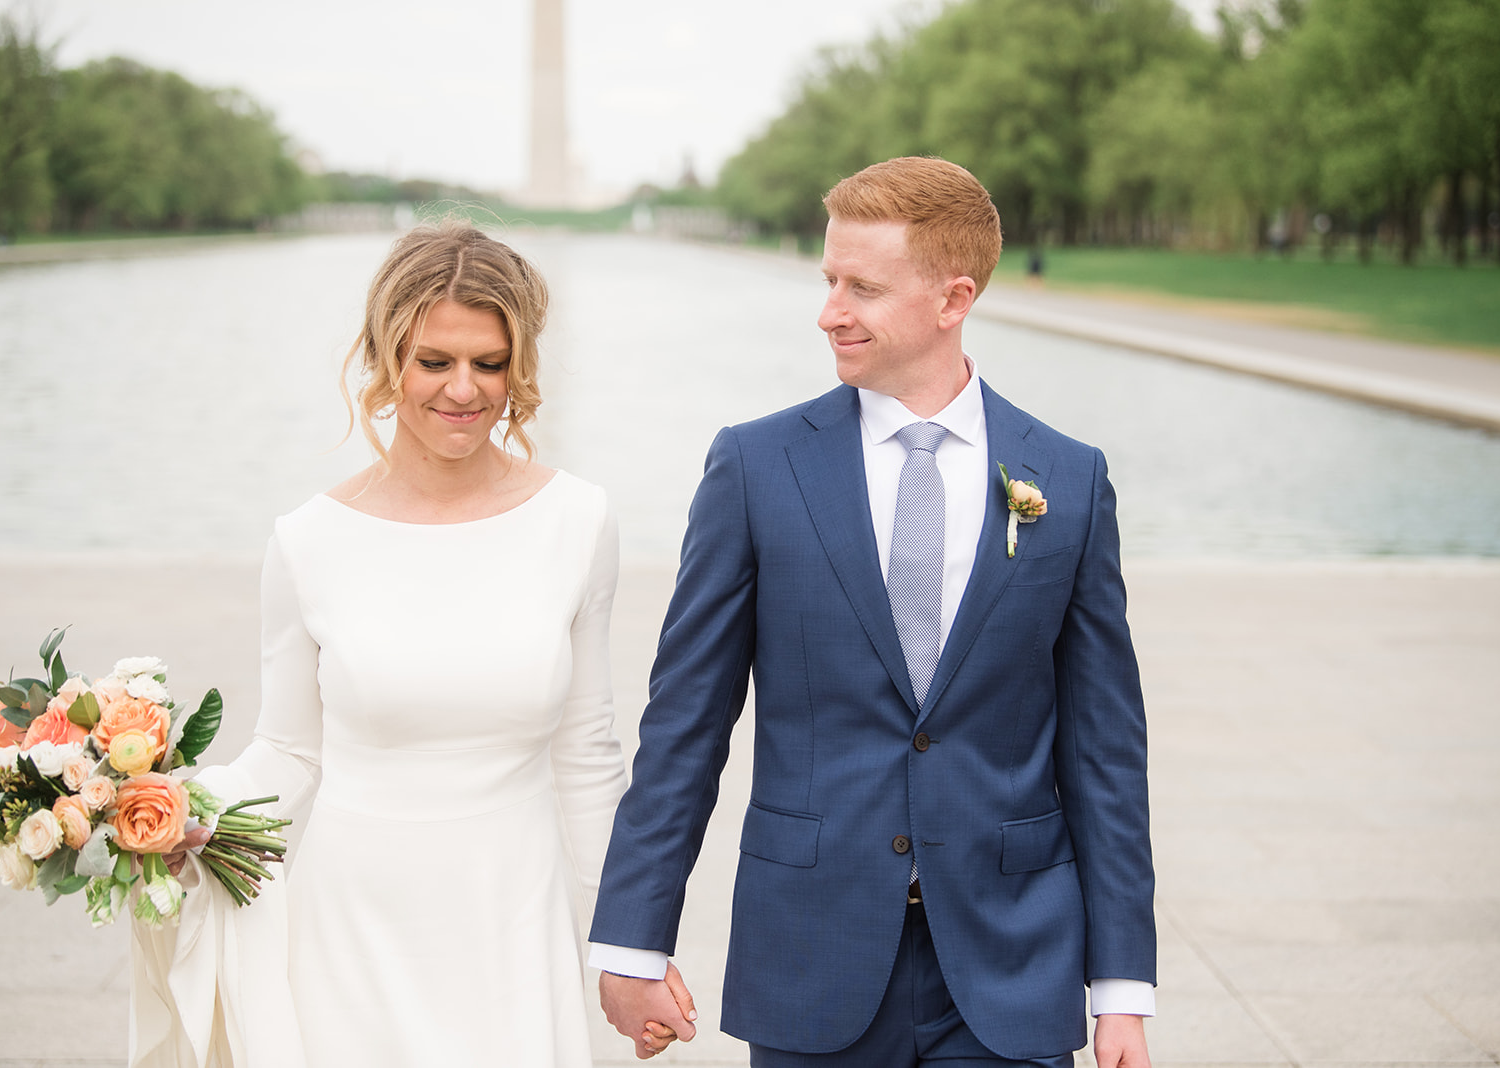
(550, 181)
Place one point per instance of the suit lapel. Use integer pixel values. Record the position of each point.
(829, 466)
(1007, 429)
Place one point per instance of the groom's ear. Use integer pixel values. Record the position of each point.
(959, 293)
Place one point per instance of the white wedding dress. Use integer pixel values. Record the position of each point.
(436, 701)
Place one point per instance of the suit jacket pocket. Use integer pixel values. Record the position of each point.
(1045, 569)
(1032, 844)
(783, 837)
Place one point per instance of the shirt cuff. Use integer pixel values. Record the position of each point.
(623, 960)
(1125, 997)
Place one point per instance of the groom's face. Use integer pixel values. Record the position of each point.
(882, 311)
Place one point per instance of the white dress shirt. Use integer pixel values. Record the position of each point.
(963, 461)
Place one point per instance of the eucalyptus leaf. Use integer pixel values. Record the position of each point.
(84, 711)
(19, 716)
(59, 672)
(53, 640)
(37, 700)
(201, 727)
(27, 684)
(12, 696)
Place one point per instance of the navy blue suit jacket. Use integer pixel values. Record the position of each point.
(1027, 811)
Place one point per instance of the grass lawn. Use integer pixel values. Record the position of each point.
(1433, 303)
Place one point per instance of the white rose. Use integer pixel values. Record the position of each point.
(40, 835)
(8, 756)
(109, 689)
(16, 869)
(49, 757)
(139, 665)
(148, 689)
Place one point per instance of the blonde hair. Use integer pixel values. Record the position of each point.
(952, 226)
(448, 260)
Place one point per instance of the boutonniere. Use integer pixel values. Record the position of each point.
(1025, 501)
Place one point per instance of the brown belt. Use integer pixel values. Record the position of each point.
(914, 892)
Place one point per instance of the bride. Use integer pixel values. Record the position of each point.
(435, 714)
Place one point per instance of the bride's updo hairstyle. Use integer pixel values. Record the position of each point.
(448, 260)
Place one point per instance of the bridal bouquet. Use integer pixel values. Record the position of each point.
(88, 801)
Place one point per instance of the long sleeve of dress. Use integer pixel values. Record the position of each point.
(212, 991)
(283, 757)
(587, 766)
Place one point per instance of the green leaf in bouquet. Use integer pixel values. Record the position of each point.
(59, 672)
(13, 696)
(94, 858)
(54, 869)
(27, 767)
(51, 643)
(201, 727)
(84, 711)
(71, 884)
(37, 699)
(19, 716)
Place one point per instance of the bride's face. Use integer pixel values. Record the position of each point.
(454, 391)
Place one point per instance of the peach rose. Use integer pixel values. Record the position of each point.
(10, 734)
(53, 726)
(73, 816)
(133, 714)
(132, 752)
(1027, 500)
(151, 813)
(97, 793)
(40, 835)
(75, 771)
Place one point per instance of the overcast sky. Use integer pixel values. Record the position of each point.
(440, 89)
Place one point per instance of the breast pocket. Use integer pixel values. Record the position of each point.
(1046, 569)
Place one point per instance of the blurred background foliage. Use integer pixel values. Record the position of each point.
(1366, 125)
(1117, 122)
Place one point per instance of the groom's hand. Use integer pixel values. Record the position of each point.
(1120, 1041)
(630, 1003)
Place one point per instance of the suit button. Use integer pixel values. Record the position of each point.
(901, 844)
(921, 741)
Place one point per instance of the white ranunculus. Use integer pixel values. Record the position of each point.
(49, 757)
(139, 665)
(16, 869)
(148, 689)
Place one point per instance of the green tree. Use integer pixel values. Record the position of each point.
(140, 148)
(831, 130)
(28, 88)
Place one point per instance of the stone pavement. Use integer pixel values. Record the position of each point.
(1325, 774)
(1325, 763)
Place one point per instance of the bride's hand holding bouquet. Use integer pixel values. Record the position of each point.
(88, 800)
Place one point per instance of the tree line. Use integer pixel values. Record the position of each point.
(115, 145)
(1118, 122)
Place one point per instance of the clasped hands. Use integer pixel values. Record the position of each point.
(649, 1012)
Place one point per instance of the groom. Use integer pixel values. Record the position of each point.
(947, 832)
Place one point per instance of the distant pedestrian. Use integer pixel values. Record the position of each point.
(1034, 266)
